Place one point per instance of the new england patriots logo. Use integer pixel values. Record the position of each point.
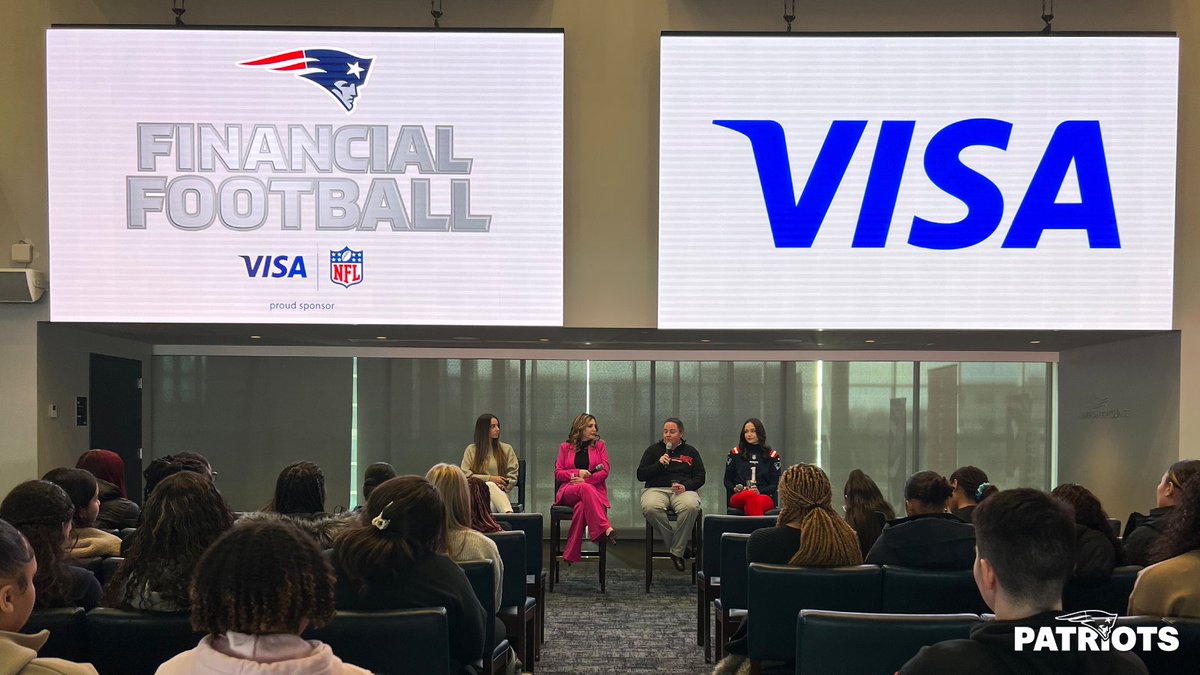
(341, 74)
(1099, 621)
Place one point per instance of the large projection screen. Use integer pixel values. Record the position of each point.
(305, 176)
(917, 182)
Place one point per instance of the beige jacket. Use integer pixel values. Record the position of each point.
(94, 543)
(510, 459)
(1168, 588)
(18, 656)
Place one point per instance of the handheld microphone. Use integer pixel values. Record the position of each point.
(669, 445)
(598, 468)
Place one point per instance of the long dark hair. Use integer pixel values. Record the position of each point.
(1182, 533)
(1089, 513)
(484, 442)
(300, 489)
(39, 509)
(80, 486)
(403, 521)
(929, 488)
(969, 479)
(183, 517)
(758, 429)
(863, 500)
(15, 554)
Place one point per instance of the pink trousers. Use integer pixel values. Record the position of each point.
(589, 512)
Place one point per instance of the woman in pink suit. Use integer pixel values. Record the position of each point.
(581, 472)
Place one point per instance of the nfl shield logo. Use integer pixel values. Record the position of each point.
(346, 267)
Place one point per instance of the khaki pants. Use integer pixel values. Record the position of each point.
(687, 508)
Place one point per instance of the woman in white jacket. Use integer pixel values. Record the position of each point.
(256, 589)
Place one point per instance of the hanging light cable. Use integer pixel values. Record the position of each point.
(789, 13)
(1047, 14)
(435, 10)
(179, 7)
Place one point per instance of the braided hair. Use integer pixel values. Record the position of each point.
(825, 539)
(40, 509)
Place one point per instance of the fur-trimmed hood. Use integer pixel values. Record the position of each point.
(323, 527)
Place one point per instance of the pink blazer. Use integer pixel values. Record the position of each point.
(564, 469)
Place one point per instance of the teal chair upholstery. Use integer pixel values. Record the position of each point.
(849, 643)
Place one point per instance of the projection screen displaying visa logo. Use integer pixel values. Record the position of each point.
(964, 182)
(243, 176)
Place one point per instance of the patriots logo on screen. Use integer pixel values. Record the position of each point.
(346, 267)
(340, 73)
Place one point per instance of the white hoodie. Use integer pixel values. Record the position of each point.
(275, 654)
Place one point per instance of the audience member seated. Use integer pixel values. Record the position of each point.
(19, 652)
(168, 465)
(929, 537)
(1026, 555)
(88, 542)
(42, 512)
(752, 471)
(809, 533)
(1097, 550)
(866, 509)
(1169, 588)
(257, 588)
(117, 512)
(374, 476)
(673, 471)
(581, 473)
(481, 512)
(183, 517)
(463, 543)
(491, 461)
(1166, 496)
(395, 558)
(300, 497)
(971, 486)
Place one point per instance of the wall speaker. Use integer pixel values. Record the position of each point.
(22, 285)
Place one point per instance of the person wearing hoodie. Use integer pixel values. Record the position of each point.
(254, 620)
(1026, 542)
(89, 542)
(18, 651)
(1097, 550)
(117, 512)
(1167, 495)
(929, 537)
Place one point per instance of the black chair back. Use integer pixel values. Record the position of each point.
(132, 643)
(512, 551)
(777, 593)
(108, 569)
(395, 642)
(734, 570)
(126, 532)
(1110, 596)
(531, 525)
(68, 634)
(919, 591)
(714, 526)
(836, 643)
(479, 573)
(1116, 527)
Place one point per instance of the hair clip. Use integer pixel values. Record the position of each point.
(379, 521)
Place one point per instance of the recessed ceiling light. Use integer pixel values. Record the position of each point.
(587, 344)
(380, 337)
(543, 339)
(705, 340)
(1035, 342)
(255, 337)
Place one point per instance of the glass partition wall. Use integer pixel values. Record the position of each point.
(888, 418)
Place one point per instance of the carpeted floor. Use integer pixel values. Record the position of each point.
(624, 630)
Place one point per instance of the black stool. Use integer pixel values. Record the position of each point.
(557, 515)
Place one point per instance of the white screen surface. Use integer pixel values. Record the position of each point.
(793, 169)
(243, 176)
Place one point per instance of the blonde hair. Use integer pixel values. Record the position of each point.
(825, 539)
(451, 483)
(577, 427)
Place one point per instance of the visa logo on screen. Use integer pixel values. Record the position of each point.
(275, 267)
(794, 223)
